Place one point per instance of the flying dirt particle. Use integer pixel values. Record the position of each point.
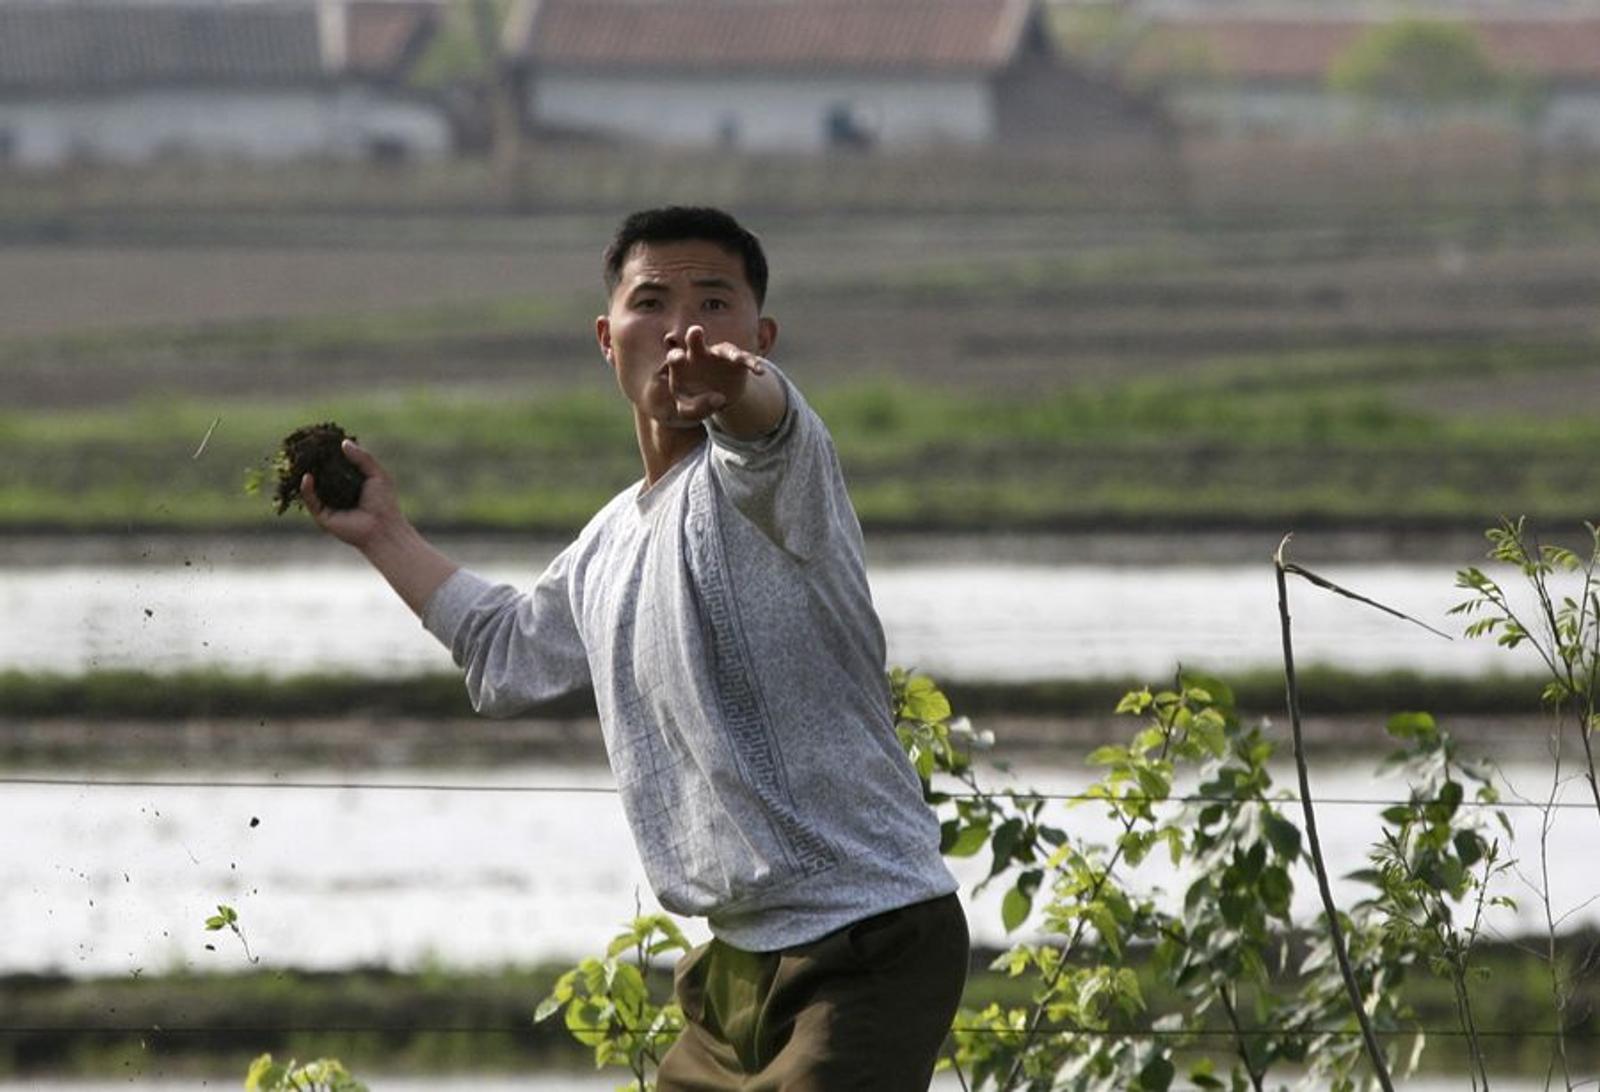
(148, 613)
(255, 821)
(211, 947)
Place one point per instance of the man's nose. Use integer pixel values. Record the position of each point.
(676, 335)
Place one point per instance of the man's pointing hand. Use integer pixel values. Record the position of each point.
(706, 379)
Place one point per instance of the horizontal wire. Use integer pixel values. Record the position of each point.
(1062, 1030)
(593, 790)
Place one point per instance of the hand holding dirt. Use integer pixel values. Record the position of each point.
(377, 512)
(317, 450)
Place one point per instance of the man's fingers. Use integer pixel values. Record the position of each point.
(749, 361)
(308, 496)
(362, 459)
(700, 406)
(696, 350)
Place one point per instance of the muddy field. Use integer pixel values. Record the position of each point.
(979, 370)
(1001, 303)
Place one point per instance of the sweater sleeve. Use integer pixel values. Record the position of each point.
(787, 482)
(518, 649)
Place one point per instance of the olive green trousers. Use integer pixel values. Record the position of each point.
(866, 1008)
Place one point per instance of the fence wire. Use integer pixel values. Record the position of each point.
(1059, 1030)
(603, 790)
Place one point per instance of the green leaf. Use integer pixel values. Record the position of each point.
(1157, 1074)
(924, 702)
(1004, 843)
(1015, 908)
(1135, 701)
(1108, 755)
(1216, 692)
(1450, 797)
(1282, 835)
(968, 841)
(1412, 726)
(1398, 815)
(1234, 907)
(1275, 889)
(265, 1075)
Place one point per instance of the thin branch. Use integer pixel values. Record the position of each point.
(1335, 932)
(1065, 950)
(955, 1067)
(1323, 582)
(1558, 991)
(1239, 1040)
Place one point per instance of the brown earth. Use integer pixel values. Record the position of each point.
(1010, 304)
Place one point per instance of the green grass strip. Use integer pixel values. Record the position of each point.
(141, 695)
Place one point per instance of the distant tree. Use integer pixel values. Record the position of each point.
(1418, 66)
(463, 64)
(1142, 53)
(1413, 70)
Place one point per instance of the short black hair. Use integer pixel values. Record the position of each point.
(683, 223)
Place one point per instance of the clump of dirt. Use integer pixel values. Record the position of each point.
(315, 450)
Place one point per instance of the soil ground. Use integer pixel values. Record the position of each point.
(954, 304)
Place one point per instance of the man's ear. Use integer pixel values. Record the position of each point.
(766, 335)
(602, 334)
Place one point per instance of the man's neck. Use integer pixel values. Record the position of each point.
(663, 447)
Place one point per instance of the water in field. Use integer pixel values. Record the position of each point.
(486, 868)
(979, 618)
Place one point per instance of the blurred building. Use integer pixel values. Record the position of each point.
(131, 82)
(807, 75)
(1243, 74)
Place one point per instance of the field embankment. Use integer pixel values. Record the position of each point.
(976, 377)
(120, 721)
(462, 1021)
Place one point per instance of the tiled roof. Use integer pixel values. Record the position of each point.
(771, 34)
(384, 37)
(1264, 48)
(67, 46)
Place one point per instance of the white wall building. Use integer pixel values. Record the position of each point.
(804, 75)
(130, 83)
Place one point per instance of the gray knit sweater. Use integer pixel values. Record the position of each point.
(723, 618)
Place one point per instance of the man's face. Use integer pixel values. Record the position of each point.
(664, 289)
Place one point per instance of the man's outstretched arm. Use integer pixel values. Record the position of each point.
(377, 527)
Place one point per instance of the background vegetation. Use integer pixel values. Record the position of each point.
(979, 370)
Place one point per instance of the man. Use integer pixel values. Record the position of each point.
(719, 609)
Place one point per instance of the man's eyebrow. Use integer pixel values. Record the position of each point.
(720, 283)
